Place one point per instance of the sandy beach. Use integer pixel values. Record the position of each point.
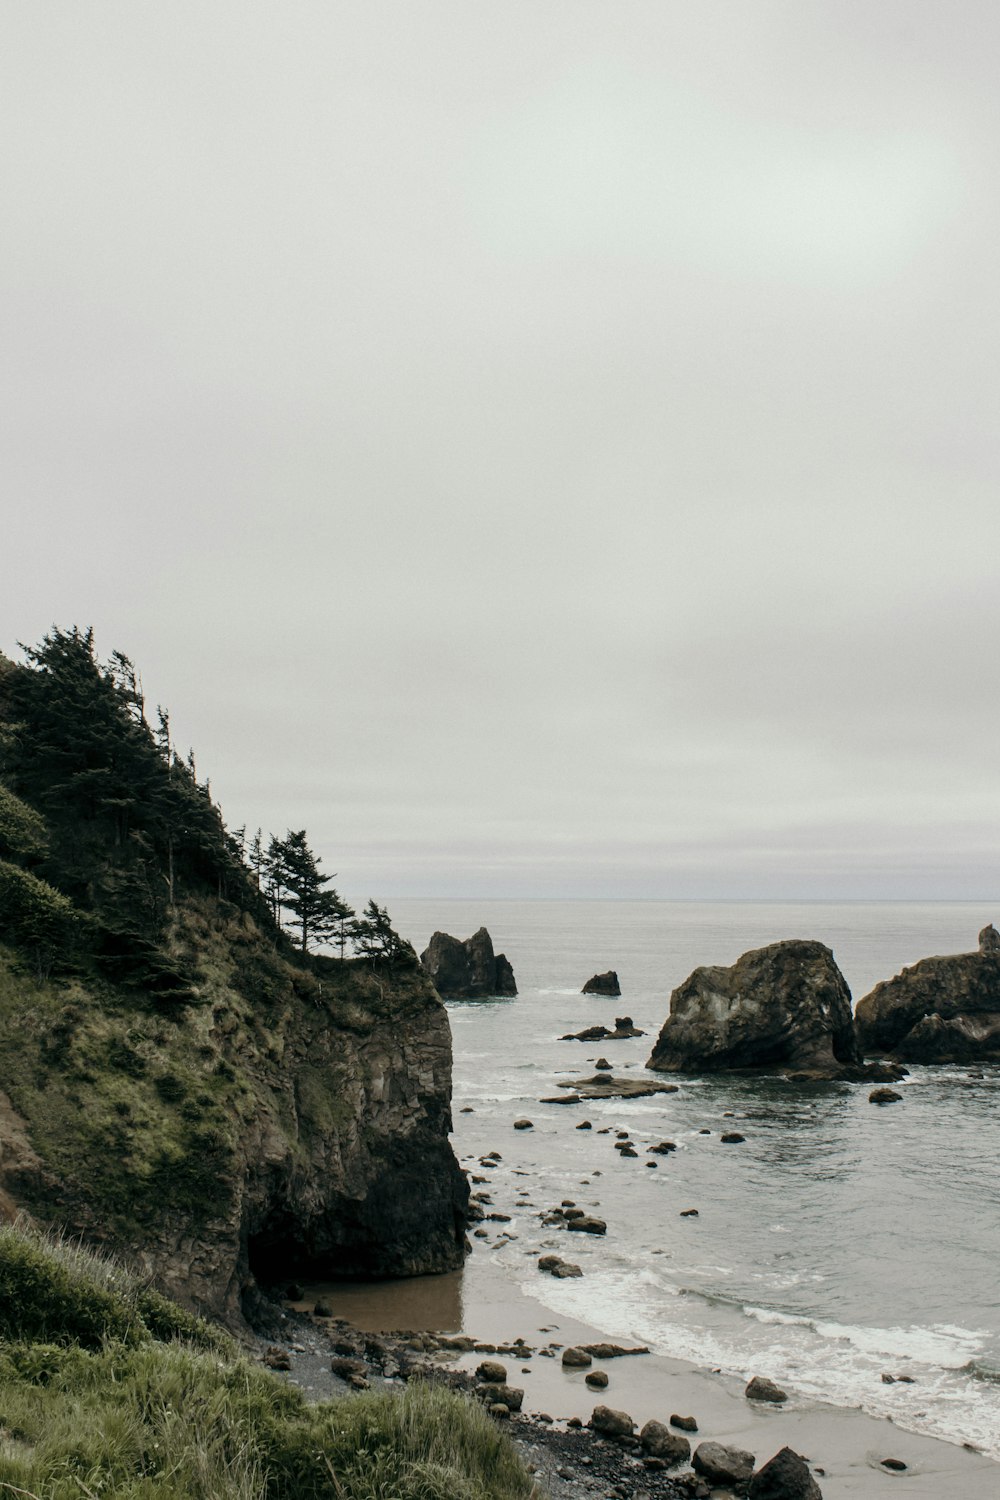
(846, 1445)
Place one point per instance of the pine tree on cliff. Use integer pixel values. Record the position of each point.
(375, 937)
(298, 885)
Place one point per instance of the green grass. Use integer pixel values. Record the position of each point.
(98, 1397)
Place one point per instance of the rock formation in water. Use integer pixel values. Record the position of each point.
(786, 1005)
(941, 1010)
(469, 969)
(602, 984)
(989, 939)
(178, 1082)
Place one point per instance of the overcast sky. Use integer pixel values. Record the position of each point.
(541, 448)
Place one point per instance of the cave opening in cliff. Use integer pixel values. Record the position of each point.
(286, 1249)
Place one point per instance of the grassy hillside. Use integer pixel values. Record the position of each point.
(108, 1389)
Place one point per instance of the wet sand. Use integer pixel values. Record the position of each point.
(847, 1445)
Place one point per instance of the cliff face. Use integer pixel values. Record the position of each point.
(786, 1005)
(941, 1010)
(283, 1122)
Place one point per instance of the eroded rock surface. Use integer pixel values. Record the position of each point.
(941, 1010)
(467, 969)
(786, 1005)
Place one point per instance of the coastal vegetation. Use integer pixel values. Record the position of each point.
(108, 1388)
(184, 1077)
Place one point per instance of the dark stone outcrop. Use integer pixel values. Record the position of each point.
(721, 1465)
(941, 1010)
(602, 984)
(786, 1005)
(469, 969)
(623, 1030)
(785, 1477)
(989, 939)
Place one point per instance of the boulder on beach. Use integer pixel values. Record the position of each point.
(659, 1442)
(611, 1423)
(784, 1477)
(940, 1010)
(786, 1005)
(602, 984)
(467, 969)
(721, 1465)
(762, 1389)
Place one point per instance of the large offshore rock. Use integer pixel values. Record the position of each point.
(786, 1005)
(941, 1010)
(467, 969)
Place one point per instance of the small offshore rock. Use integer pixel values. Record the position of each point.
(689, 1213)
(664, 1148)
(611, 1423)
(732, 1138)
(883, 1096)
(597, 1379)
(659, 1442)
(686, 1424)
(784, 1477)
(721, 1465)
(492, 1372)
(602, 984)
(762, 1389)
(523, 1125)
(576, 1358)
(565, 1268)
(603, 1064)
(584, 1125)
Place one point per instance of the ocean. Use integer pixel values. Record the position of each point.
(839, 1242)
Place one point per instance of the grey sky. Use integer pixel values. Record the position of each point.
(542, 448)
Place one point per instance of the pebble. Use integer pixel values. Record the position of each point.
(689, 1213)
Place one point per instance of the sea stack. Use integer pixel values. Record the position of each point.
(941, 1010)
(603, 984)
(469, 969)
(786, 1005)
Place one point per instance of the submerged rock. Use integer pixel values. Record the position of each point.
(602, 984)
(941, 1010)
(786, 1005)
(467, 969)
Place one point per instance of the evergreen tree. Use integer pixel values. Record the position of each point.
(375, 938)
(298, 885)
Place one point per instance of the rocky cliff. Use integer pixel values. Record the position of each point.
(282, 1123)
(786, 1005)
(467, 969)
(941, 1010)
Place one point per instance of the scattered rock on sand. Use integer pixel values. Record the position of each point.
(596, 1379)
(721, 1465)
(523, 1125)
(883, 1096)
(492, 1371)
(576, 1358)
(686, 1424)
(612, 1423)
(689, 1213)
(659, 1442)
(896, 1464)
(762, 1389)
(602, 984)
(585, 1125)
(784, 1477)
